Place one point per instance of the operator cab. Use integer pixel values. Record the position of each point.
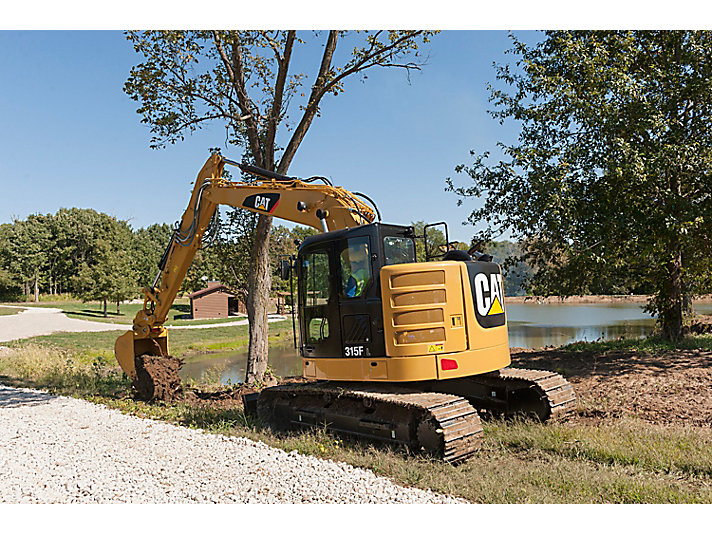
(339, 295)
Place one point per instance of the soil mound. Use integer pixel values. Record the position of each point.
(157, 378)
(665, 387)
(224, 397)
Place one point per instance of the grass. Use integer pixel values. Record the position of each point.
(94, 311)
(613, 461)
(181, 342)
(650, 344)
(4, 310)
(62, 371)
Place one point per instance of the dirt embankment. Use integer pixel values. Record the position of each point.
(670, 387)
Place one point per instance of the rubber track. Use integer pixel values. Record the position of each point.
(444, 425)
(553, 387)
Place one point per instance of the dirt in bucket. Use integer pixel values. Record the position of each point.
(157, 378)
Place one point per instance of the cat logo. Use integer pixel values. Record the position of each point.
(489, 294)
(261, 203)
(265, 202)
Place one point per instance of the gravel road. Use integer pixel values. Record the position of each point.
(64, 450)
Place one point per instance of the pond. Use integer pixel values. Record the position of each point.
(531, 325)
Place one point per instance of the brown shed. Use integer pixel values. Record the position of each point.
(211, 302)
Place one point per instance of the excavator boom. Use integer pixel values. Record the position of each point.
(319, 205)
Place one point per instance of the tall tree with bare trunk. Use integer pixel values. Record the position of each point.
(242, 79)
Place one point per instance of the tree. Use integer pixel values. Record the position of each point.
(611, 170)
(10, 286)
(29, 248)
(282, 245)
(241, 79)
(149, 245)
(507, 254)
(108, 273)
(77, 232)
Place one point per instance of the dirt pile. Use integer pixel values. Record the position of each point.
(157, 378)
(226, 397)
(668, 387)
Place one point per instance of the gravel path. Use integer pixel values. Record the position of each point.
(64, 450)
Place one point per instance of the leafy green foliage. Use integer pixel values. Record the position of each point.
(96, 257)
(609, 182)
(150, 243)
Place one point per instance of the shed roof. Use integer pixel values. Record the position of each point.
(211, 289)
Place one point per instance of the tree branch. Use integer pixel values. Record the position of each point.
(273, 118)
(235, 71)
(316, 94)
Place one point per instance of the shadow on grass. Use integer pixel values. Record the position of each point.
(93, 313)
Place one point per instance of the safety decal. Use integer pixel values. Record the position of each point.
(265, 202)
(438, 347)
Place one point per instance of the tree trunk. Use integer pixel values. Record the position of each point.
(37, 287)
(671, 305)
(118, 307)
(105, 314)
(258, 286)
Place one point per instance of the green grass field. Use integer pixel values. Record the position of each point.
(4, 310)
(94, 311)
(180, 341)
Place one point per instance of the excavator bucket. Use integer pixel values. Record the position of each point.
(124, 352)
(128, 346)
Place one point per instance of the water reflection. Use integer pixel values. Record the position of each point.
(531, 325)
(230, 366)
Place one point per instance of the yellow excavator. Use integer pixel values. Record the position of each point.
(392, 349)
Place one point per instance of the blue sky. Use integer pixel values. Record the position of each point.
(71, 137)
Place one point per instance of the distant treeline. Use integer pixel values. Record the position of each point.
(94, 256)
(516, 272)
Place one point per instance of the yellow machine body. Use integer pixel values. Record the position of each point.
(430, 327)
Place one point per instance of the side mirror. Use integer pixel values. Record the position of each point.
(284, 269)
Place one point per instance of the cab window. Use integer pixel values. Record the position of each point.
(355, 267)
(398, 250)
(315, 283)
(315, 295)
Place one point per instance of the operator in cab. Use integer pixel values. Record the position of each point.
(355, 267)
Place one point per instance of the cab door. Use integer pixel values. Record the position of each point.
(359, 304)
(319, 317)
